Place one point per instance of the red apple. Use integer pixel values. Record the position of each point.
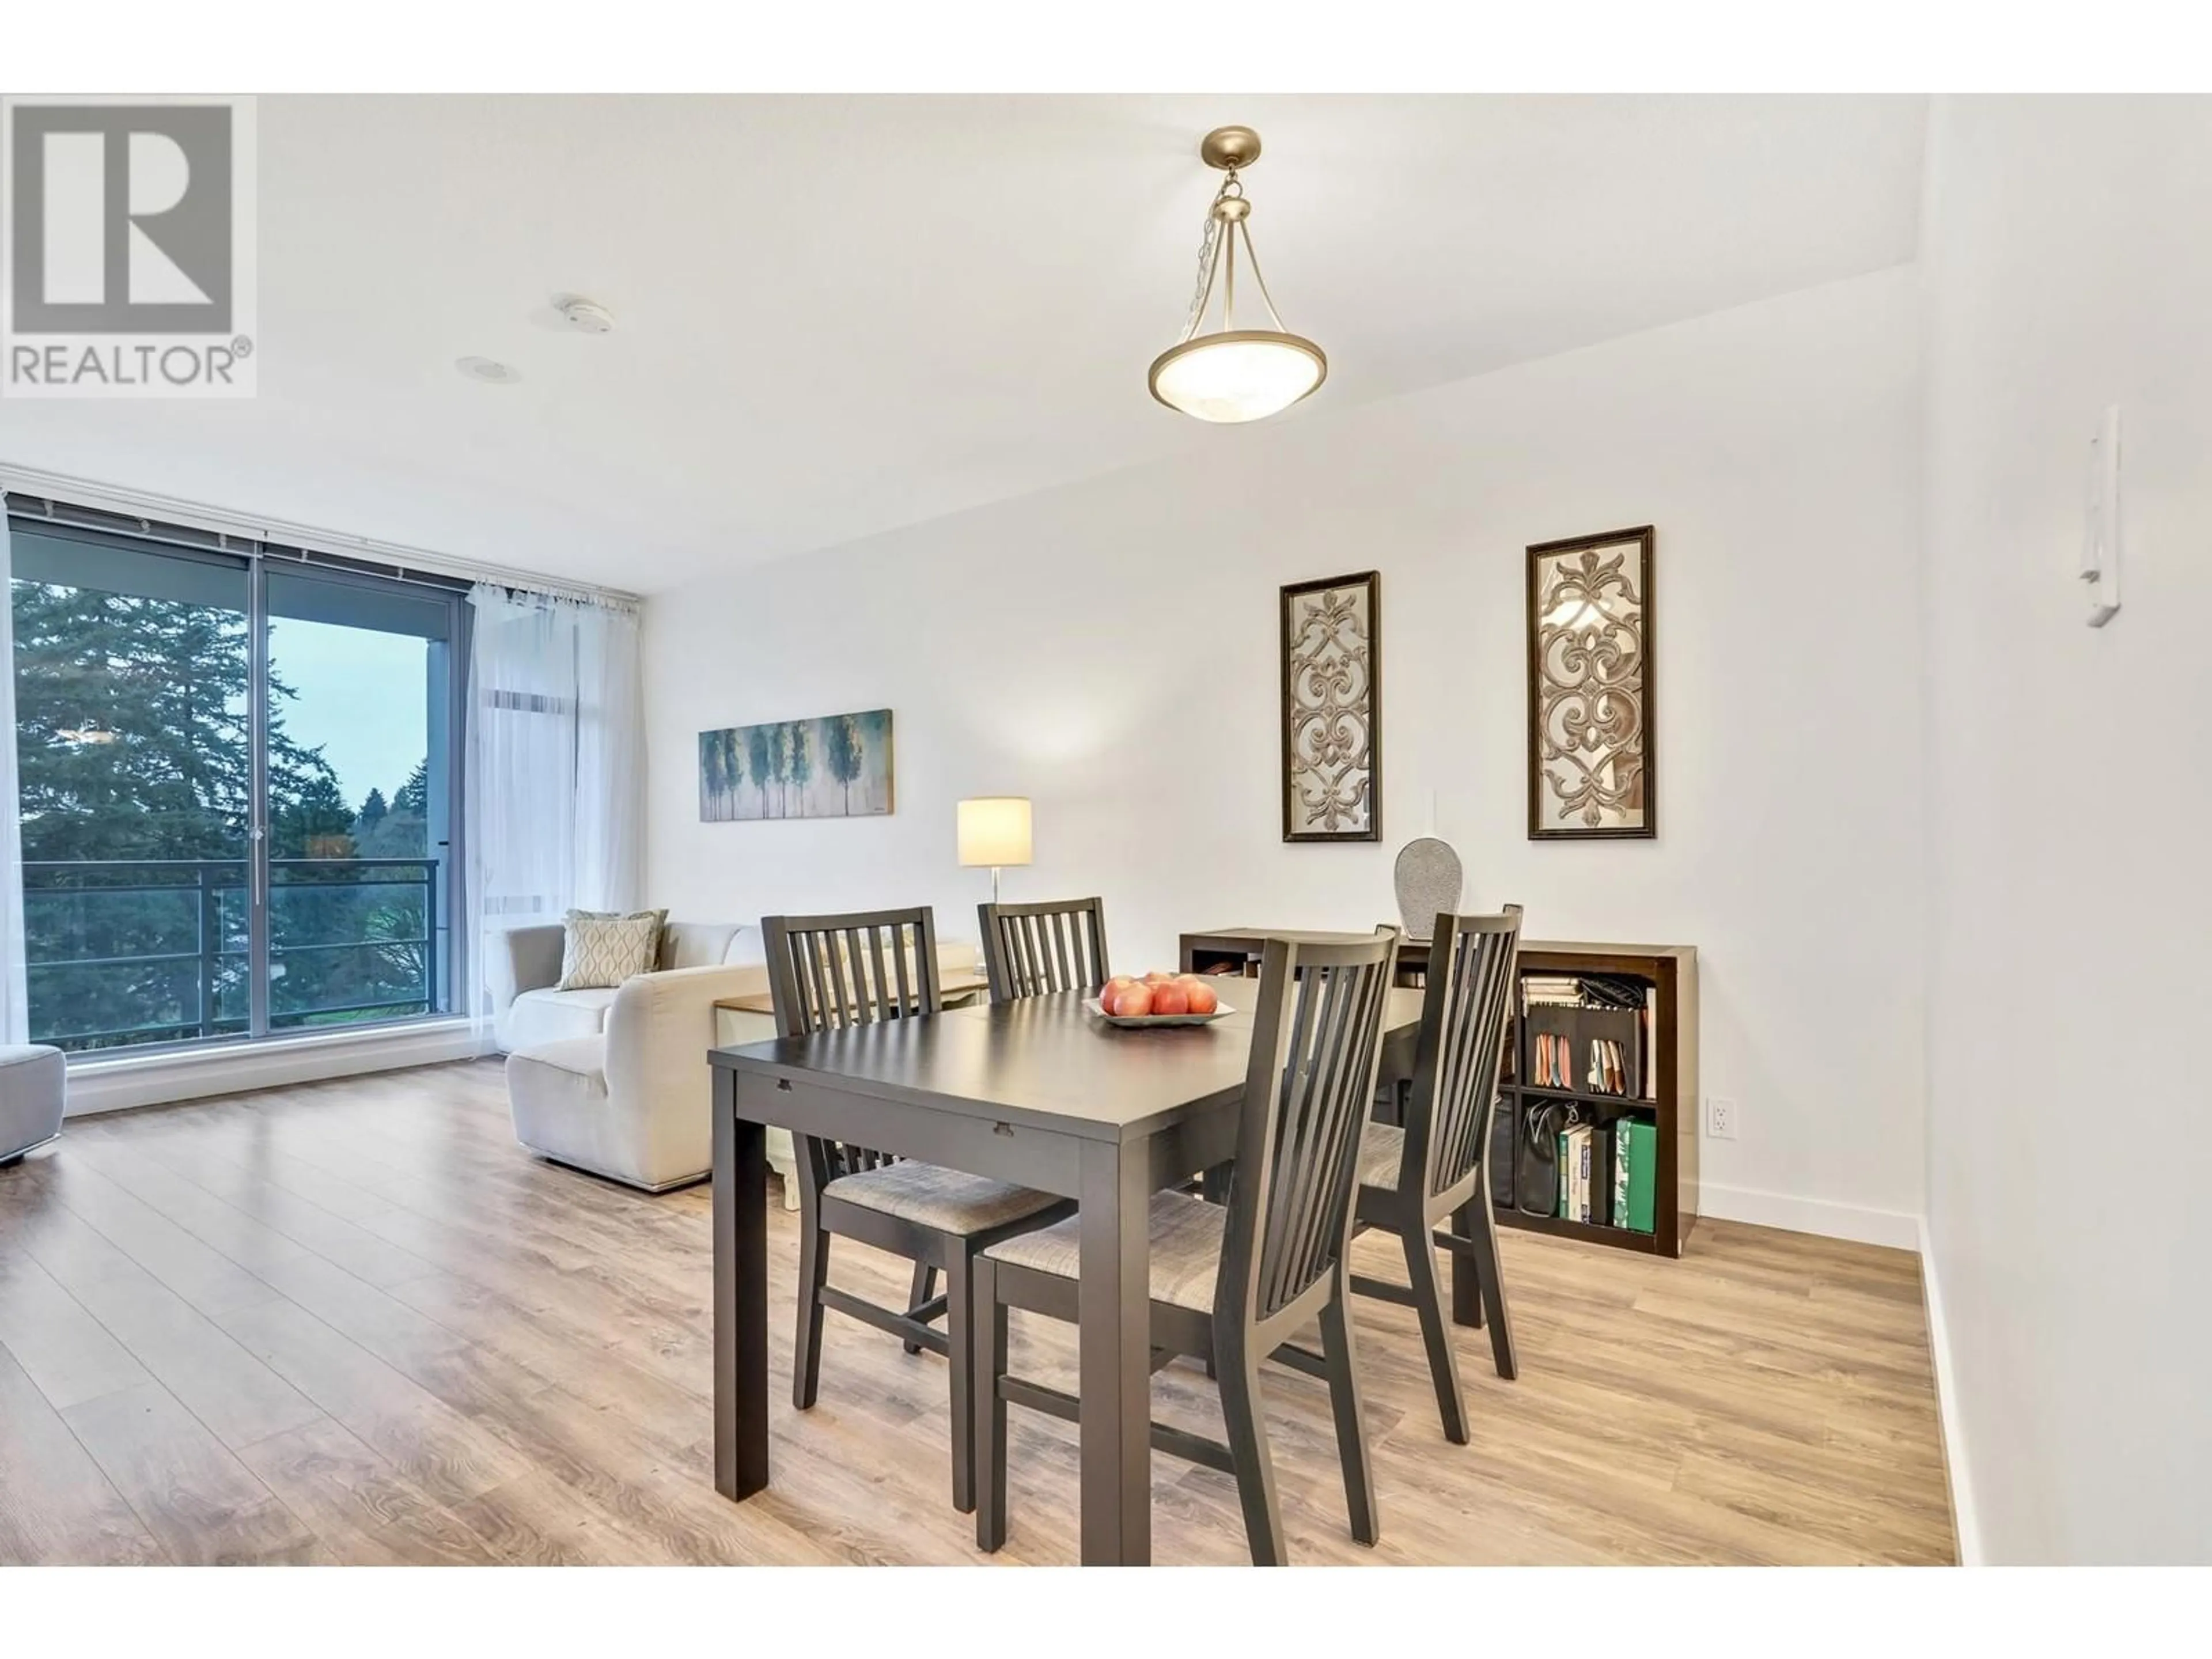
(1170, 998)
(1202, 997)
(1157, 976)
(1131, 1001)
(1112, 988)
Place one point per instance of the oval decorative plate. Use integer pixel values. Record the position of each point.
(1091, 1005)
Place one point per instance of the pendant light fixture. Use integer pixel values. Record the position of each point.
(1231, 373)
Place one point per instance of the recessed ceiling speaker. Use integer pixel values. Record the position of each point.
(488, 370)
(585, 316)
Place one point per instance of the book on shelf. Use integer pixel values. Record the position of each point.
(1651, 1042)
(1635, 1173)
(1574, 1169)
(1552, 990)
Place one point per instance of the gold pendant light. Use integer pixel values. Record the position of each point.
(1231, 373)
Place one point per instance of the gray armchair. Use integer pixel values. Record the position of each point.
(33, 1092)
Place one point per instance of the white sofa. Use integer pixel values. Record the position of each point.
(616, 1082)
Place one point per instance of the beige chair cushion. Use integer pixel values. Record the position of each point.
(1380, 1153)
(1186, 1235)
(944, 1199)
(600, 952)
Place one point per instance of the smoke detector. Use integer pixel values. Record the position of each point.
(585, 316)
(487, 370)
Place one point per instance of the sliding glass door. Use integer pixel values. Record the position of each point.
(238, 790)
(359, 685)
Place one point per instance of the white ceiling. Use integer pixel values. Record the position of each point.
(836, 316)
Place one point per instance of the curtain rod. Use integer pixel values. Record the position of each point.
(61, 488)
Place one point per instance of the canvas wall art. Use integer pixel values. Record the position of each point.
(836, 767)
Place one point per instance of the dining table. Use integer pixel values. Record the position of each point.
(1036, 1090)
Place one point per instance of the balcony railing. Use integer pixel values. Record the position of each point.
(127, 952)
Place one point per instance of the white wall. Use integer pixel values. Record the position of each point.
(1108, 648)
(2070, 265)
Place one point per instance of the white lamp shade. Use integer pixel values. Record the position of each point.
(994, 831)
(1244, 375)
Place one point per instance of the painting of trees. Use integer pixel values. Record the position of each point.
(792, 765)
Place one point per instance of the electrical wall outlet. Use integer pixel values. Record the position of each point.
(1720, 1118)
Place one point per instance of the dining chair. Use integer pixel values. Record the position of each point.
(1431, 1169)
(1032, 950)
(826, 973)
(1232, 1283)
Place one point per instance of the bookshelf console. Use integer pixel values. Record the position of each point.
(1670, 1101)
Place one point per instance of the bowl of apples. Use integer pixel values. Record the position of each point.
(1157, 999)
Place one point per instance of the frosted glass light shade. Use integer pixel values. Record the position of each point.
(1242, 375)
(994, 831)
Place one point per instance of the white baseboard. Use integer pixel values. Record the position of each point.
(1810, 1215)
(119, 1084)
(1965, 1520)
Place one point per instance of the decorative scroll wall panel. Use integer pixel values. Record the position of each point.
(1590, 729)
(1333, 710)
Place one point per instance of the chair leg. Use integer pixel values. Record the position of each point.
(1435, 1331)
(1350, 1421)
(924, 1286)
(988, 1322)
(1248, 1450)
(1483, 1234)
(806, 1346)
(959, 1352)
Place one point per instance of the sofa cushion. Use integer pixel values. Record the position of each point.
(698, 944)
(602, 951)
(541, 1017)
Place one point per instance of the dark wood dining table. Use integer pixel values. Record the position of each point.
(1036, 1091)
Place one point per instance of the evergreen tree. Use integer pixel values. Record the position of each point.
(802, 759)
(843, 752)
(371, 814)
(134, 742)
(757, 754)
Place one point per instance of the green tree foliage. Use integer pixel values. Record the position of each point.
(802, 759)
(133, 739)
(758, 757)
(844, 752)
(779, 762)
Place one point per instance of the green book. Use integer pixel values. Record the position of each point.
(1567, 1185)
(1621, 1154)
(1636, 1177)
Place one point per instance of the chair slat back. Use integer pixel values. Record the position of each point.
(1472, 961)
(827, 973)
(1032, 950)
(1316, 1047)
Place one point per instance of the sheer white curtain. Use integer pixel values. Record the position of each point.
(554, 790)
(15, 1000)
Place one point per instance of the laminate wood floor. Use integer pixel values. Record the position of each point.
(352, 1321)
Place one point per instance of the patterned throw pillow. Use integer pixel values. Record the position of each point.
(600, 952)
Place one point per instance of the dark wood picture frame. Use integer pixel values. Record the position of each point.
(1645, 539)
(1368, 707)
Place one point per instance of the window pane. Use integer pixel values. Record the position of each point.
(133, 736)
(359, 705)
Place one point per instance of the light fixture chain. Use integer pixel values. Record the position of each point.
(1202, 290)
